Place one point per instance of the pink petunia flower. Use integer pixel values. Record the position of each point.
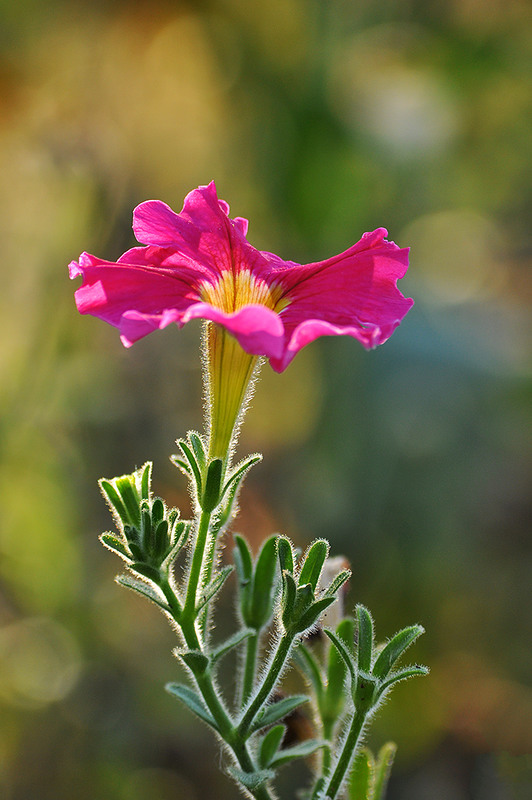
(199, 264)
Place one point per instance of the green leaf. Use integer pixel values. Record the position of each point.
(338, 582)
(244, 569)
(334, 699)
(127, 490)
(344, 653)
(361, 776)
(279, 710)
(146, 570)
(142, 588)
(270, 744)
(309, 666)
(211, 494)
(229, 644)
(199, 450)
(313, 563)
(365, 638)
(114, 500)
(192, 701)
(301, 750)
(145, 480)
(311, 616)
(251, 780)
(394, 649)
(214, 586)
(383, 768)
(114, 543)
(285, 553)
(157, 511)
(191, 458)
(195, 660)
(261, 602)
(161, 540)
(402, 675)
(239, 473)
(289, 597)
(318, 793)
(181, 464)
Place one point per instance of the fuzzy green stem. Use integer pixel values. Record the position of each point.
(346, 755)
(214, 703)
(270, 679)
(196, 565)
(250, 666)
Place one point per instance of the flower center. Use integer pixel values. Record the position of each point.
(233, 291)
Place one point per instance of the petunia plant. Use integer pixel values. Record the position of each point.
(290, 606)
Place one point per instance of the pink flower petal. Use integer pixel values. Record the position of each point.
(352, 294)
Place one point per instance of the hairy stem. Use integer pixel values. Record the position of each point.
(270, 679)
(250, 666)
(346, 755)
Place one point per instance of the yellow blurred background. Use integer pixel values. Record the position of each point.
(319, 120)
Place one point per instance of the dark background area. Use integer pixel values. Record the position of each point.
(318, 121)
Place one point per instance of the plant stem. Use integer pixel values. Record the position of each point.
(346, 755)
(212, 700)
(248, 677)
(268, 684)
(196, 565)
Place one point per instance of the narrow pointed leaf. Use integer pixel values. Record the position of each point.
(197, 445)
(211, 494)
(318, 793)
(361, 776)
(192, 701)
(145, 481)
(289, 597)
(383, 768)
(345, 654)
(309, 666)
(130, 497)
(270, 744)
(251, 780)
(142, 588)
(313, 563)
(161, 539)
(240, 472)
(214, 586)
(285, 553)
(334, 699)
(114, 499)
(277, 711)
(114, 543)
(229, 644)
(394, 649)
(311, 616)
(157, 510)
(263, 579)
(191, 458)
(181, 464)
(402, 675)
(244, 568)
(338, 582)
(365, 638)
(302, 750)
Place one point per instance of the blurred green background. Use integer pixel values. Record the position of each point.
(318, 120)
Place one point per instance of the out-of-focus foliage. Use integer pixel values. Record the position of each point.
(318, 120)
